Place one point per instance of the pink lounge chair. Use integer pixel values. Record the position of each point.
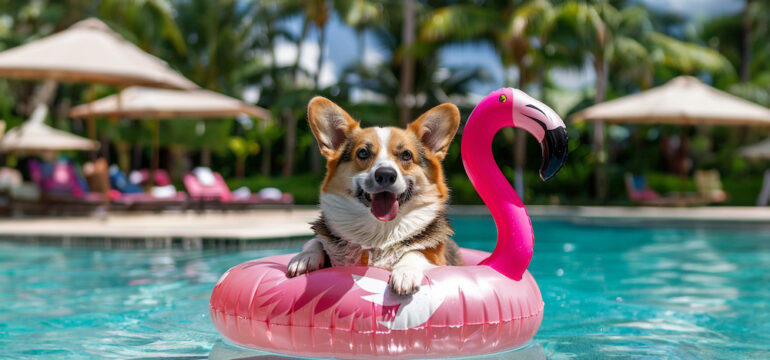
(162, 177)
(62, 190)
(638, 189)
(639, 192)
(98, 176)
(219, 193)
(142, 201)
(216, 191)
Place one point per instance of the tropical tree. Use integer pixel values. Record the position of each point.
(147, 23)
(518, 30)
(152, 26)
(360, 15)
(742, 38)
(242, 147)
(606, 36)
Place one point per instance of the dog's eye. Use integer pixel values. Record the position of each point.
(363, 154)
(406, 155)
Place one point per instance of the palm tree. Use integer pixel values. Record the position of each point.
(518, 31)
(742, 39)
(407, 63)
(152, 26)
(607, 36)
(146, 23)
(360, 15)
(319, 12)
(745, 69)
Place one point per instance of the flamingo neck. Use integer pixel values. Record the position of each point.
(515, 238)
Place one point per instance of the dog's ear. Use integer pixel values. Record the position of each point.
(330, 124)
(436, 128)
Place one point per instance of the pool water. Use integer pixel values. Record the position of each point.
(609, 292)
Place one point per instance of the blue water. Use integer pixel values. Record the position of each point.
(609, 292)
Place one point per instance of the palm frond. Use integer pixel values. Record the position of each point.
(460, 22)
(358, 13)
(685, 56)
(752, 92)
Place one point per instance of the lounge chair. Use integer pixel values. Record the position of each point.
(16, 196)
(142, 177)
(12, 184)
(132, 196)
(208, 189)
(709, 187)
(63, 189)
(119, 181)
(639, 192)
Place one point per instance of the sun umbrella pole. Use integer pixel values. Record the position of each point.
(121, 146)
(155, 151)
(684, 151)
(600, 182)
(90, 119)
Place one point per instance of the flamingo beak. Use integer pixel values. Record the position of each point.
(554, 147)
(546, 126)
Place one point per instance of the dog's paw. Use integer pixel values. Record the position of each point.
(405, 279)
(305, 262)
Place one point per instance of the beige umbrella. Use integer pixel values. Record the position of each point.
(141, 102)
(89, 51)
(684, 100)
(35, 136)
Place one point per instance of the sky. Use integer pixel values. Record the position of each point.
(341, 47)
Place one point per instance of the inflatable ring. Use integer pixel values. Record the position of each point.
(492, 304)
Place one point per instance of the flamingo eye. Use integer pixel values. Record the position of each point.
(363, 154)
(406, 155)
(502, 98)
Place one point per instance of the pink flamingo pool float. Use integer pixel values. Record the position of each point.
(491, 305)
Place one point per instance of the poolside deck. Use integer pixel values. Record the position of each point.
(266, 227)
(164, 230)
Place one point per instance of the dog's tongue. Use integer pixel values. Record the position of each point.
(384, 206)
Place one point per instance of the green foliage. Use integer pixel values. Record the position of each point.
(229, 46)
(669, 183)
(686, 57)
(242, 147)
(462, 191)
(144, 22)
(360, 13)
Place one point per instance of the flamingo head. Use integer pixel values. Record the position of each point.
(540, 121)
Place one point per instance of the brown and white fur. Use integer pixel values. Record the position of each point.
(383, 197)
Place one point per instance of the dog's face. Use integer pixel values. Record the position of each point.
(383, 172)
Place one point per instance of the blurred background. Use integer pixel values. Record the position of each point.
(386, 62)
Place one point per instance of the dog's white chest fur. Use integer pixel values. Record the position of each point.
(354, 223)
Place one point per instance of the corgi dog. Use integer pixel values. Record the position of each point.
(383, 197)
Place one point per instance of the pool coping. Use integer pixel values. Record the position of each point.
(277, 228)
(623, 216)
(259, 229)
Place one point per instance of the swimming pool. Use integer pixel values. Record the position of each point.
(609, 291)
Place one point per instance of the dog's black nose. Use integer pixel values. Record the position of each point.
(385, 176)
